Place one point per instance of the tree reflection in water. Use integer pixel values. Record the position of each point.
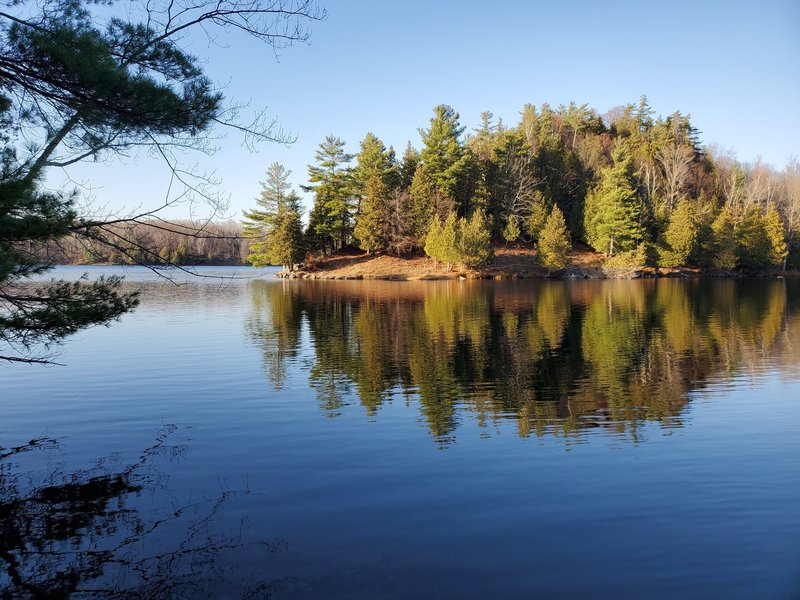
(557, 357)
(77, 532)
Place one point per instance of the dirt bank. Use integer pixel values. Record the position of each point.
(510, 262)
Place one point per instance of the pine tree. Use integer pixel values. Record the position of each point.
(511, 231)
(260, 222)
(374, 175)
(287, 245)
(613, 210)
(408, 166)
(537, 216)
(554, 243)
(682, 236)
(723, 241)
(475, 243)
(442, 155)
(449, 241)
(438, 186)
(425, 202)
(773, 225)
(332, 184)
(753, 246)
(316, 238)
(44, 314)
(275, 229)
(433, 240)
(443, 239)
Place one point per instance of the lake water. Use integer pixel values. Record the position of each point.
(250, 437)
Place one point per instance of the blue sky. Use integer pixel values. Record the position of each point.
(381, 67)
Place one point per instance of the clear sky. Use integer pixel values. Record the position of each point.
(382, 66)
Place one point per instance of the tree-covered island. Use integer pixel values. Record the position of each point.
(639, 190)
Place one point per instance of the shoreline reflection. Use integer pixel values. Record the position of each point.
(556, 357)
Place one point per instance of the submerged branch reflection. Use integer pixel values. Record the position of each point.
(113, 530)
(557, 357)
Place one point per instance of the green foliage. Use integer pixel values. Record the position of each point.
(375, 176)
(440, 184)
(81, 83)
(442, 240)
(554, 243)
(424, 204)
(29, 218)
(442, 157)
(475, 245)
(723, 241)
(433, 239)
(682, 237)
(459, 240)
(638, 257)
(613, 209)
(408, 166)
(511, 231)
(449, 241)
(334, 198)
(774, 229)
(287, 245)
(275, 229)
(753, 245)
(537, 217)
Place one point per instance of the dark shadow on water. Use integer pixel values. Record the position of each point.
(115, 531)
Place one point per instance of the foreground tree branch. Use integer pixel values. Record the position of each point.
(76, 85)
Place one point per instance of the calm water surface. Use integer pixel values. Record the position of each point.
(306, 439)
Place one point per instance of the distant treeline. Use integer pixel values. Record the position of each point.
(639, 188)
(152, 242)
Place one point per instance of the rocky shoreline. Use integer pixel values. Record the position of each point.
(569, 273)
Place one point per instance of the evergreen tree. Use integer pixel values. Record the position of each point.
(475, 243)
(613, 209)
(449, 240)
(332, 184)
(438, 185)
(511, 231)
(316, 238)
(408, 166)
(554, 243)
(260, 222)
(682, 236)
(753, 246)
(425, 202)
(375, 174)
(773, 225)
(287, 245)
(275, 228)
(44, 316)
(433, 239)
(443, 239)
(723, 241)
(539, 210)
(442, 155)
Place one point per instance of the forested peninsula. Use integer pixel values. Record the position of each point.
(564, 191)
